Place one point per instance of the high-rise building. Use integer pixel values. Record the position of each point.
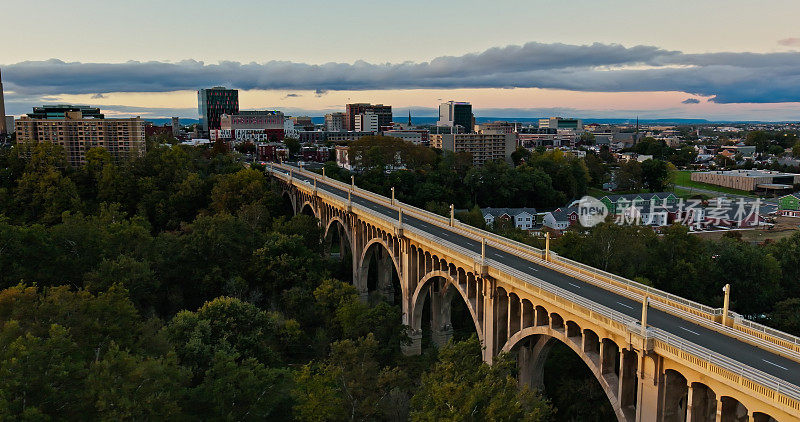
(484, 147)
(384, 113)
(3, 127)
(122, 138)
(457, 116)
(334, 122)
(367, 122)
(561, 123)
(213, 103)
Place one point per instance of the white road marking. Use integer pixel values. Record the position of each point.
(533, 269)
(575, 285)
(693, 332)
(773, 363)
(627, 306)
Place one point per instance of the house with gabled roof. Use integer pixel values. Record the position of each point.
(523, 218)
(561, 219)
(789, 205)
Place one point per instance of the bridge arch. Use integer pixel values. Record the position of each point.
(288, 199)
(503, 307)
(388, 266)
(531, 346)
(309, 209)
(442, 306)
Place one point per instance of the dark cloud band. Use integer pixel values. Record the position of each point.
(724, 77)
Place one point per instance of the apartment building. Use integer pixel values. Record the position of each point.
(122, 138)
(334, 122)
(483, 146)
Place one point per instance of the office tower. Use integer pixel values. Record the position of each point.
(457, 116)
(384, 113)
(122, 138)
(213, 103)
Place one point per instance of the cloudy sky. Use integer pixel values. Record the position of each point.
(714, 59)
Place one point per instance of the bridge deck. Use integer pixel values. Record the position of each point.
(778, 366)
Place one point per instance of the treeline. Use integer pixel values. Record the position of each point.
(434, 180)
(178, 287)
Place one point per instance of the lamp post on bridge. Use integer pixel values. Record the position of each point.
(452, 215)
(392, 195)
(352, 181)
(323, 172)
(547, 246)
(645, 304)
(726, 303)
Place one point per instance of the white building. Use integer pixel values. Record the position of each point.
(289, 130)
(367, 122)
(417, 137)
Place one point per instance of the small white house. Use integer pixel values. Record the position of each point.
(523, 218)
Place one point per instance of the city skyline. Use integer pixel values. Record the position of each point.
(670, 64)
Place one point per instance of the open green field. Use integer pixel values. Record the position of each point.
(683, 179)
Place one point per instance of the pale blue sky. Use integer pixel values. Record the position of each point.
(345, 31)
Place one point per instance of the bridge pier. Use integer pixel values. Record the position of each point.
(531, 359)
(440, 296)
(628, 382)
(647, 405)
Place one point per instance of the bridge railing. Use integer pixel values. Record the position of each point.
(582, 271)
(759, 382)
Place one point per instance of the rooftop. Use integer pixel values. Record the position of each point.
(751, 173)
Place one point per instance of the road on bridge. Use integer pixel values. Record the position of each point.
(763, 360)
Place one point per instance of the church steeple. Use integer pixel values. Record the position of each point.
(409, 117)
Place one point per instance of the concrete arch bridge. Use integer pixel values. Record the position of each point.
(657, 356)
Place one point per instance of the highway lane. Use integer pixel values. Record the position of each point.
(763, 360)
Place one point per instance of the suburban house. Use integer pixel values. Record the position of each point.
(561, 219)
(789, 205)
(523, 218)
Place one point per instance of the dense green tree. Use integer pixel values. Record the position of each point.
(349, 385)
(242, 390)
(460, 387)
(657, 175)
(234, 328)
(124, 386)
(232, 191)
